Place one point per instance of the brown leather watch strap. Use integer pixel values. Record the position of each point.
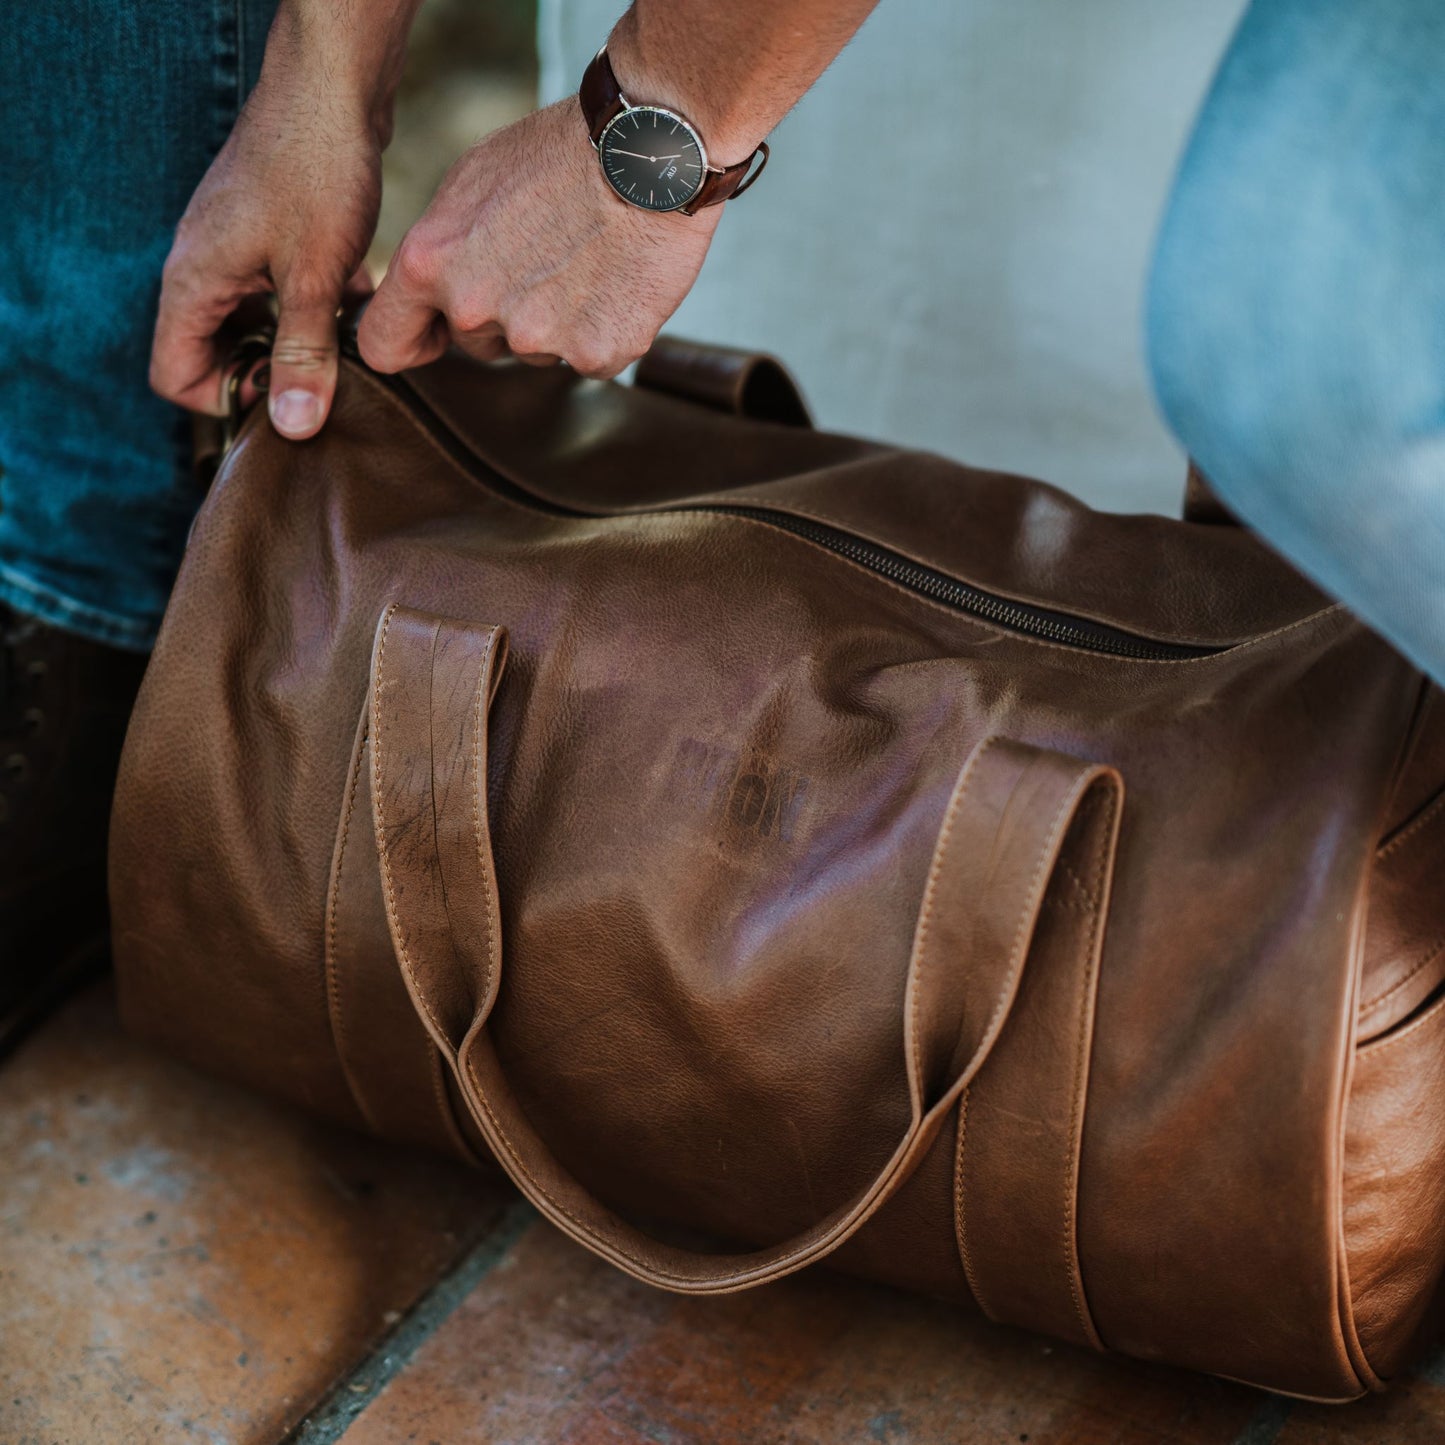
(600, 95)
(725, 185)
(601, 99)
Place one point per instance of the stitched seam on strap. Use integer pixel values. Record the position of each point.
(1068, 800)
(1426, 959)
(1015, 963)
(1378, 1046)
(959, 1191)
(333, 983)
(333, 973)
(1081, 900)
(1023, 923)
(436, 1055)
(479, 783)
(1071, 1196)
(1421, 820)
(403, 952)
(930, 897)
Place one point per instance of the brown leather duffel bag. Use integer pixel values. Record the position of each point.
(829, 848)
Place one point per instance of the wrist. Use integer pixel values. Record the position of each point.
(651, 68)
(347, 57)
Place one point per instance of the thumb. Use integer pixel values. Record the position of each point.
(303, 367)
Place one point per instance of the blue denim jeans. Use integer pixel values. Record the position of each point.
(110, 112)
(1297, 303)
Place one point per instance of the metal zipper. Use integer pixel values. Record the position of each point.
(999, 611)
(990, 607)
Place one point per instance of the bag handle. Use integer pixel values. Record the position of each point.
(1200, 503)
(724, 378)
(1005, 825)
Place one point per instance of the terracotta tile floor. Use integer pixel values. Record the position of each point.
(179, 1262)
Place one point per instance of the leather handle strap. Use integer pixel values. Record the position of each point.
(729, 379)
(432, 682)
(1200, 502)
(1006, 821)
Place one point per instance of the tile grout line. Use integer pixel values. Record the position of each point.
(335, 1413)
(338, 1410)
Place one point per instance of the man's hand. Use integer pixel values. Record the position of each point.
(289, 206)
(526, 249)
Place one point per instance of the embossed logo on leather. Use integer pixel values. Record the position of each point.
(746, 790)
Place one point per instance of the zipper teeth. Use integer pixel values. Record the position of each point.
(961, 596)
(1017, 616)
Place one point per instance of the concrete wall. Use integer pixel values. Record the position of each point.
(951, 241)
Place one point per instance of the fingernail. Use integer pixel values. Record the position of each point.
(295, 413)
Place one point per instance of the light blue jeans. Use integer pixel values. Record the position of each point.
(1297, 303)
(1297, 307)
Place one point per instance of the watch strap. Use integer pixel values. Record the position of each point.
(601, 99)
(725, 185)
(600, 95)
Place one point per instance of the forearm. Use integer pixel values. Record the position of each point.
(351, 51)
(733, 67)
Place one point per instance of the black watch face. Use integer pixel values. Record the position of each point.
(652, 158)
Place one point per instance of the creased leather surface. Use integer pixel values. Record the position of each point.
(718, 767)
(1395, 1156)
(1405, 943)
(999, 845)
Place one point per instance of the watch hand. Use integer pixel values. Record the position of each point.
(618, 151)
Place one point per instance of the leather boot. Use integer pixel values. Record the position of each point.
(64, 704)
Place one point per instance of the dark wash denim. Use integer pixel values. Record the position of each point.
(1297, 306)
(110, 112)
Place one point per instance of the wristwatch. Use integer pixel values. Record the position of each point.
(653, 157)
